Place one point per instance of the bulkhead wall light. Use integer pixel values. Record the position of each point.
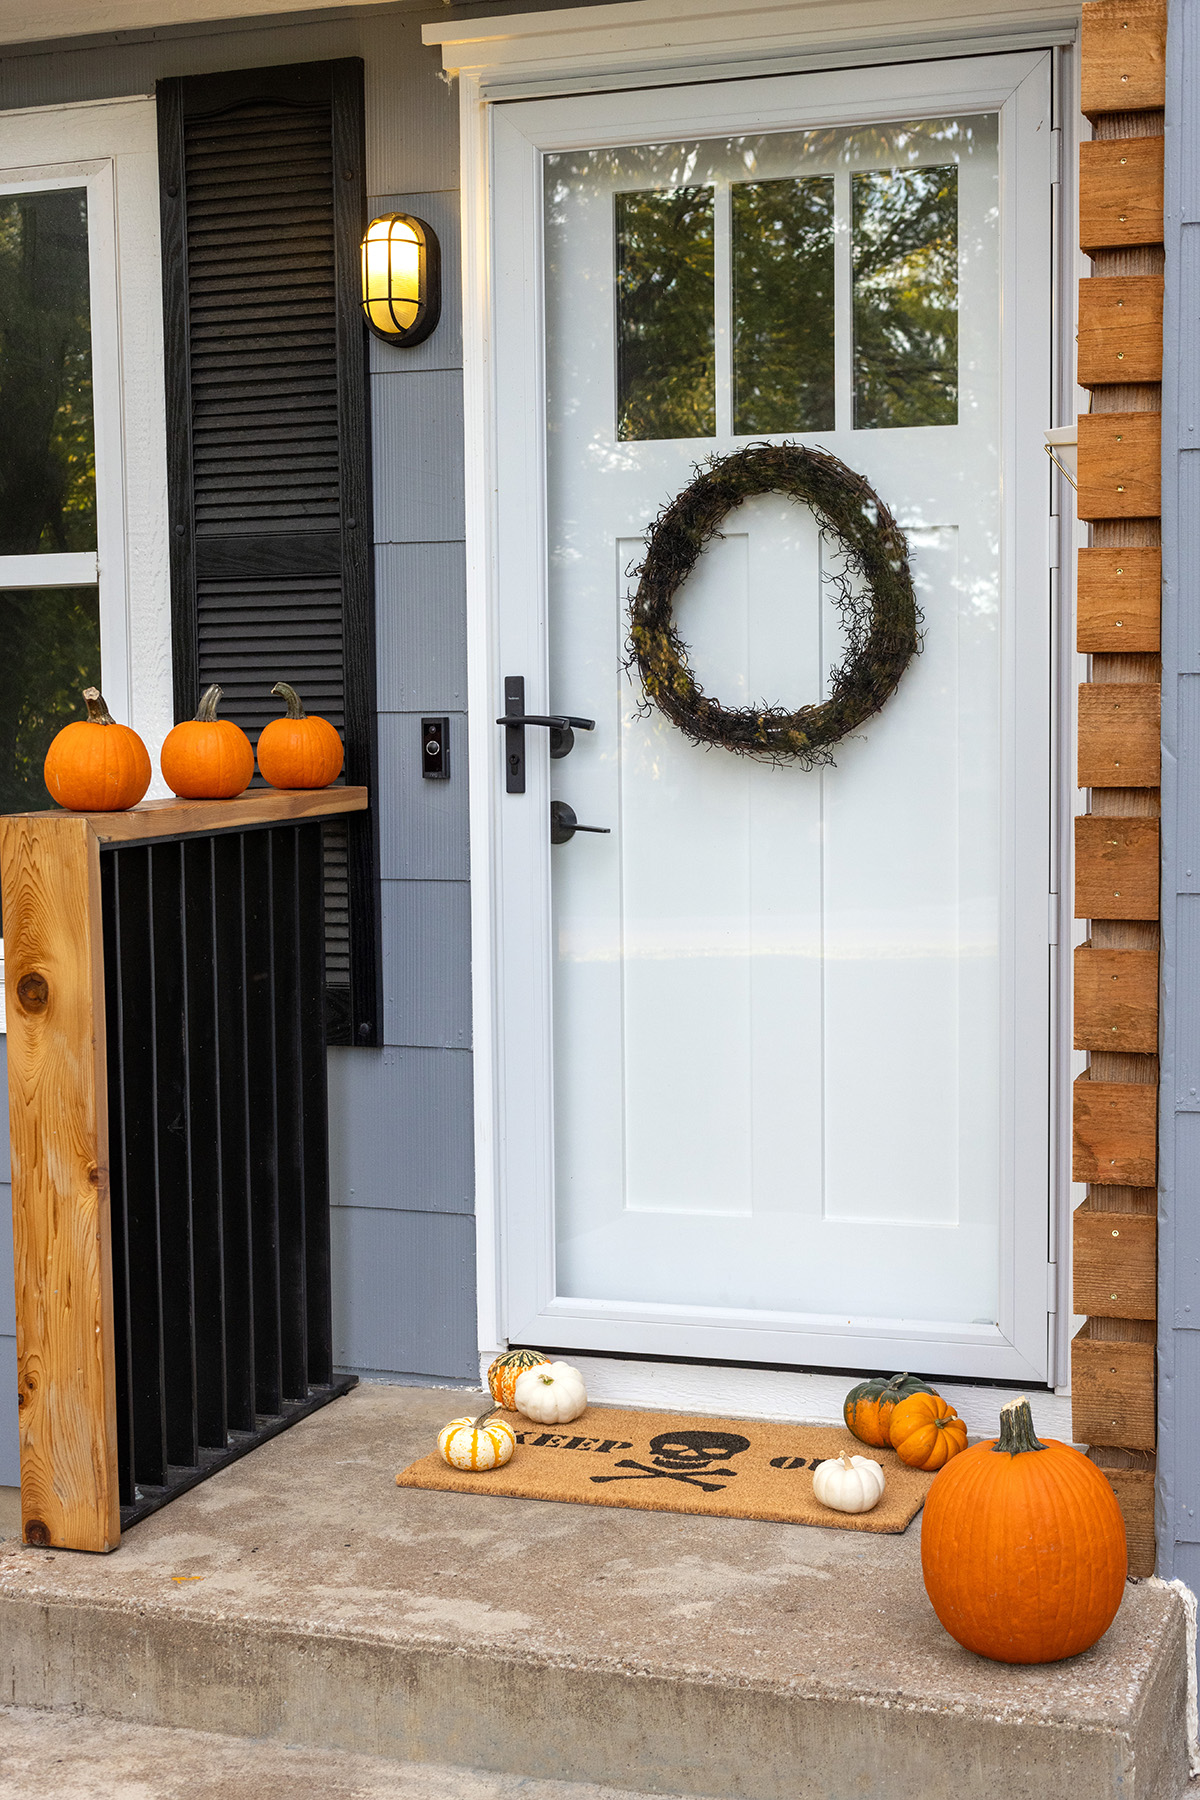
(401, 279)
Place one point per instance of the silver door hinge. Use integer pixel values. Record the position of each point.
(1052, 919)
(1052, 1287)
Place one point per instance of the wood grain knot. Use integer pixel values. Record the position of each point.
(37, 1533)
(33, 992)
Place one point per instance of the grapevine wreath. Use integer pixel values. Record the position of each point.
(881, 620)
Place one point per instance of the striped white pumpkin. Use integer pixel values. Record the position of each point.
(484, 1443)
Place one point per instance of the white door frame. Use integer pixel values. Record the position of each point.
(483, 368)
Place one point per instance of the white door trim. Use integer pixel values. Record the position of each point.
(477, 112)
(655, 40)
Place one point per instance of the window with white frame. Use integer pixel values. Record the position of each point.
(49, 588)
(83, 590)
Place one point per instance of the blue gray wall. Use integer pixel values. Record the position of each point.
(10, 1472)
(1178, 1510)
(401, 1117)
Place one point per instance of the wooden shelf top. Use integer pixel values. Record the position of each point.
(171, 818)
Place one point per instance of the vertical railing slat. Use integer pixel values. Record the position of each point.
(314, 1103)
(204, 1144)
(110, 905)
(135, 976)
(229, 931)
(289, 1101)
(260, 1072)
(169, 955)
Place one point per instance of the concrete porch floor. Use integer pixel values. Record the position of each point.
(302, 1598)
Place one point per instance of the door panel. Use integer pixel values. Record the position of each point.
(776, 1012)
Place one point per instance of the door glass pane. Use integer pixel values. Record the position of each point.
(905, 231)
(47, 449)
(666, 375)
(49, 652)
(783, 306)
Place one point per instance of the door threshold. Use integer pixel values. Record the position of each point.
(736, 1391)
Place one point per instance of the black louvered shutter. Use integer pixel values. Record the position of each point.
(263, 210)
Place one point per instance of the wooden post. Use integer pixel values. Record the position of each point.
(58, 1120)
(1117, 843)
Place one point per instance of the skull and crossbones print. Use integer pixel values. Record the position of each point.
(686, 1456)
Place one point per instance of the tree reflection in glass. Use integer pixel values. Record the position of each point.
(905, 233)
(783, 305)
(47, 446)
(666, 370)
(51, 650)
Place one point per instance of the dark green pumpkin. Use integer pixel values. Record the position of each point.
(869, 1407)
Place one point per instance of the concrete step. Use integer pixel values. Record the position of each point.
(73, 1756)
(301, 1598)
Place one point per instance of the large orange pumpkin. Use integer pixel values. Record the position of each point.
(207, 758)
(296, 751)
(1023, 1547)
(868, 1408)
(926, 1431)
(96, 765)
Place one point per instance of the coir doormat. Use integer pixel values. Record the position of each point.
(679, 1462)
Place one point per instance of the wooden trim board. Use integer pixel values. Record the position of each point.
(1123, 56)
(58, 1122)
(257, 806)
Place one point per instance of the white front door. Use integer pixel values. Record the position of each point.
(772, 1055)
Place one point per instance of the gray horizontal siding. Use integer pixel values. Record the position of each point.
(8, 1298)
(10, 1449)
(400, 1134)
(412, 115)
(10, 1459)
(421, 627)
(423, 828)
(399, 1282)
(417, 436)
(427, 964)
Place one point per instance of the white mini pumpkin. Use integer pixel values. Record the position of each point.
(551, 1394)
(483, 1443)
(849, 1484)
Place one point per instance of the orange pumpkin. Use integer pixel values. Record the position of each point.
(207, 758)
(296, 751)
(868, 1408)
(96, 765)
(1023, 1547)
(926, 1432)
(507, 1369)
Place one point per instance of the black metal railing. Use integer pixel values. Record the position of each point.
(218, 1153)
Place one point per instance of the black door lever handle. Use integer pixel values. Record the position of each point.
(564, 824)
(560, 722)
(562, 729)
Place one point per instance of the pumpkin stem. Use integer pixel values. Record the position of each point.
(289, 694)
(206, 712)
(848, 1459)
(1016, 1428)
(481, 1421)
(98, 713)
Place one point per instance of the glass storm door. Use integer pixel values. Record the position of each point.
(773, 1042)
